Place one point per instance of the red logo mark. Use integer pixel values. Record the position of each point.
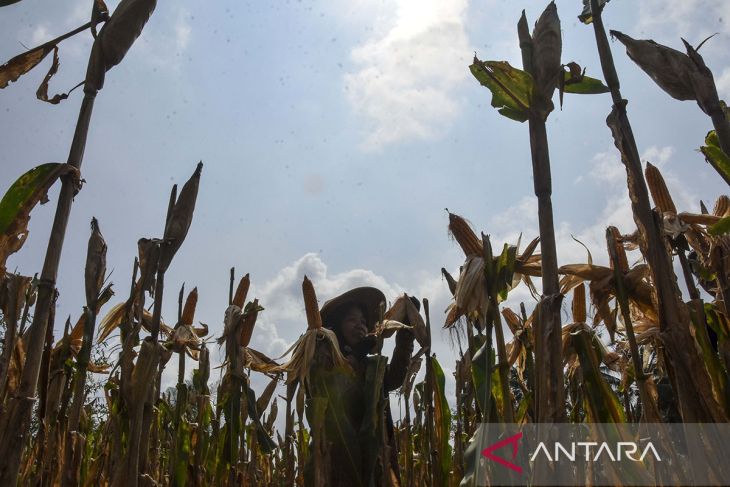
(487, 452)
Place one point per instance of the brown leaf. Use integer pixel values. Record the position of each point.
(42, 92)
(22, 63)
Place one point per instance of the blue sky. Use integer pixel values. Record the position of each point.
(334, 134)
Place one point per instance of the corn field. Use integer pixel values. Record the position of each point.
(647, 340)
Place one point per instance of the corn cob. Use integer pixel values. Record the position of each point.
(248, 321)
(464, 235)
(189, 309)
(314, 320)
(659, 192)
(620, 250)
(241, 291)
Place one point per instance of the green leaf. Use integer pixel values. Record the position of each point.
(587, 16)
(584, 86)
(601, 403)
(20, 199)
(720, 228)
(266, 444)
(715, 155)
(511, 87)
(442, 418)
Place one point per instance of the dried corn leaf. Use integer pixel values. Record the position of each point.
(259, 362)
(449, 280)
(42, 92)
(22, 63)
(115, 317)
(262, 403)
(416, 321)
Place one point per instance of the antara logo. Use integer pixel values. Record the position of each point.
(591, 451)
(628, 448)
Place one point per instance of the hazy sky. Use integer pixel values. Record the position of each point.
(333, 135)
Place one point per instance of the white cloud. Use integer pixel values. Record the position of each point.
(723, 84)
(407, 72)
(692, 19)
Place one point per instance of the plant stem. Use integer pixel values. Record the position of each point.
(689, 376)
(548, 344)
(17, 424)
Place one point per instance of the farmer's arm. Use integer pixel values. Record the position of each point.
(398, 367)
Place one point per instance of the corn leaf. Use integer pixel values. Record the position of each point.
(511, 87)
(584, 85)
(601, 403)
(265, 442)
(442, 418)
(22, 63)
(20, 199)
(715, 155)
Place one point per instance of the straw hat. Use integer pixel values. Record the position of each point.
(369, 298)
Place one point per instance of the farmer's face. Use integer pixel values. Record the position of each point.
(353, 326)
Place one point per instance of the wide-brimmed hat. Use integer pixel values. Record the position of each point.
(369, 298)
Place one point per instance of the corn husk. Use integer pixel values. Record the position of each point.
(180, 219)
(303, 351)
(115, 39)
(722, 206)
(259, 362)
(547, 49)
(449, 280)
(116, 315)
(387, 328)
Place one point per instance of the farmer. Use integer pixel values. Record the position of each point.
(352, 316)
